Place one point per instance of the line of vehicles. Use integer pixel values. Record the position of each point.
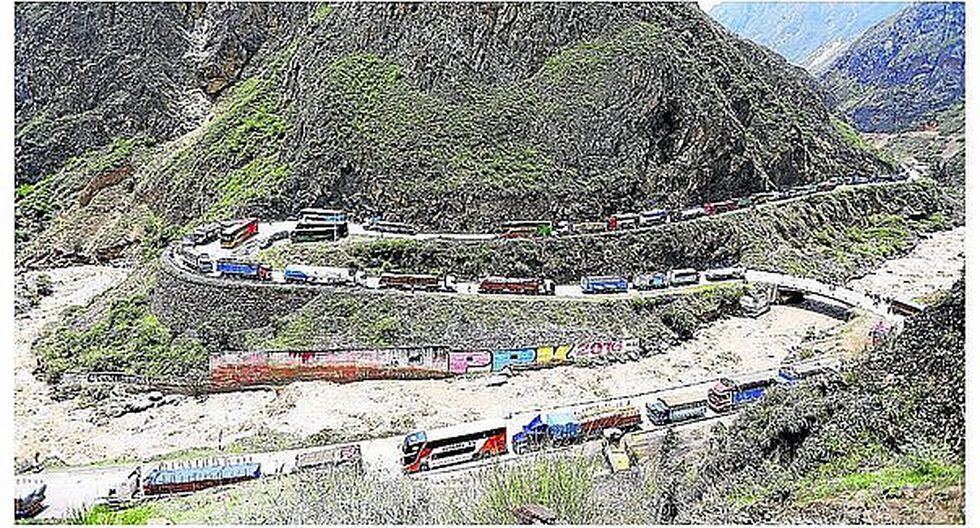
(424, 451)
(236, 268)
(316, 224)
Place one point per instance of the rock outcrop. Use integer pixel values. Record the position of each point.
(86, 74)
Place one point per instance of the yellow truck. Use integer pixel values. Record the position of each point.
(615, 450)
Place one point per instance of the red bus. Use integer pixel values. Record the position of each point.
(233, 235)
(423, 451)
(527, 286)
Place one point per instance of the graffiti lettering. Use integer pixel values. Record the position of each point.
(258, 367)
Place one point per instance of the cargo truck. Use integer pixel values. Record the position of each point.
(562, 428)
(726, 395)
(525, 286)
(650, 281)
(604, 284)
(672, 409)
(320, 275)
(404, 281)
(244, 270)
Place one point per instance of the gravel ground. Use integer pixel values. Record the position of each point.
(378, 408)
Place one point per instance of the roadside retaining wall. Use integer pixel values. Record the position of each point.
(243, 368)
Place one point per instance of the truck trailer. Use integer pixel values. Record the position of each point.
(604, 284)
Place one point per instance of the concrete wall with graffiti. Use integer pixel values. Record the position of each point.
(236, 369)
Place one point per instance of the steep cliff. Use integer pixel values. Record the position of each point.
(900, 73)
(453, 116)
(88, 73)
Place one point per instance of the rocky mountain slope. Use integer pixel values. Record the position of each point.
(903, 71)
(86, 74)
(517, 111)
(809, 34)
(883, 442)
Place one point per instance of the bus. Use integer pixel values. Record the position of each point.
(322, 215)
(526, 228)
(422, 451)
(317, 231)
(240, 231)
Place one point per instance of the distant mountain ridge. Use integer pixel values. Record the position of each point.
(901, 73)
(809, 34)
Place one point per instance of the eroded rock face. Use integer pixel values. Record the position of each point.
(89, 73)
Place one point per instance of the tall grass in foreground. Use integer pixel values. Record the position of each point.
(564, 485)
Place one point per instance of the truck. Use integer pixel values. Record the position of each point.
(187, 478)
(672, 409)
(604, 284)
(331, 456)
(29, 497)
(526, 229)
(297, 274)
(198, 262)
(523, 286)
(712, 208)
(730, 273)
(683, 276)
(614, 449)
(793, 374)
(654, 217)
(650, 281)
(763, 197)
(726, 395)
(689, 214)
(384, 226)
(233, 268)
(564, 427)
(828, 185)
(412, 282)
(620, 221)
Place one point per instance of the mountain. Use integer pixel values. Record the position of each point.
(86, 74)
(809, 34)
(903, 71)
(450, 116)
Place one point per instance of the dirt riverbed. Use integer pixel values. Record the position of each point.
(381, 408)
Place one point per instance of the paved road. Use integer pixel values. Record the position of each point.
(75, 488)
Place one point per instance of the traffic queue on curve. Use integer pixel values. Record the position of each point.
(423, 451)
(235, 233)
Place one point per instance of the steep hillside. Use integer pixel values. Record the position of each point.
(809, 34)
(514, 111)
(900, 73)
(881, 443)
(88, 73)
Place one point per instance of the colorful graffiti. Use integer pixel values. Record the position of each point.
(235, 369)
